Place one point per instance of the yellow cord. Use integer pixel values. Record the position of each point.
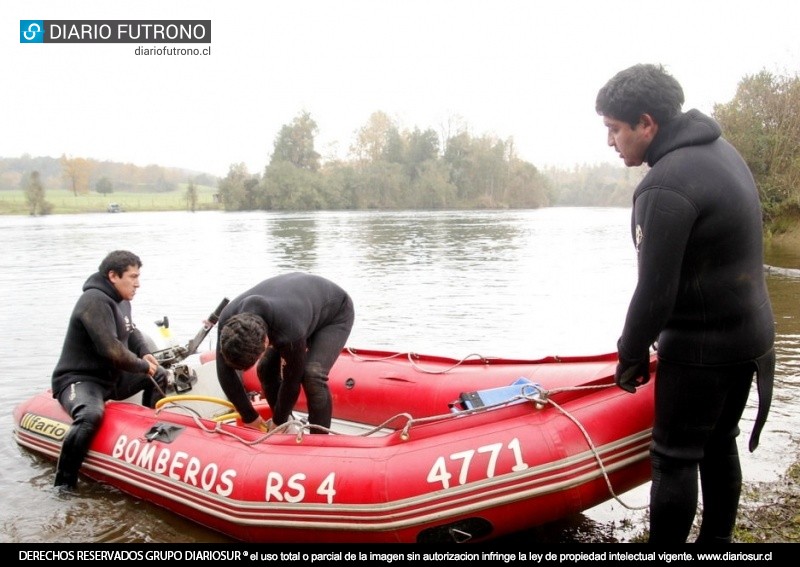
(188, 398)
(226, 417)
(265, 427)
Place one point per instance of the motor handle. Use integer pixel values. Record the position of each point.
(208, 324)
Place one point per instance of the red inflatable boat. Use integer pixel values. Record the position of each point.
(422, 449)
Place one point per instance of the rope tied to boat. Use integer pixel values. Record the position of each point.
(543, 397)
(530, 392)
(539, 397)
(412, 357)
(296, 426)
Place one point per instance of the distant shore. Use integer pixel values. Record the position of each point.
(64, 202)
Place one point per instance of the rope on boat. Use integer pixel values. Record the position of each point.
(540, 397)
(411, 356)
(301, 425)
(530, 392)
(588, 438)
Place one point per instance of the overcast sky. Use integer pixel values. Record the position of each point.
(527, 69)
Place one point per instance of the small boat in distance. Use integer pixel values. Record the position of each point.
(422, 448)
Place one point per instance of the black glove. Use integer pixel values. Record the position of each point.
(632, 373)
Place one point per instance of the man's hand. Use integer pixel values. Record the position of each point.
(261, 425)
(632, 373)
(151, 360)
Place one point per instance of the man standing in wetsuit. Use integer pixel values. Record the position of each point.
(104, 357)
(295, 326)
(701, 296)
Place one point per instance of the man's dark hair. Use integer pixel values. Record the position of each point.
(118, 261)
(641, 89)
(241, 340)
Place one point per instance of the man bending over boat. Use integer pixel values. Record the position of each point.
(104, 357)
(295, 327)
(701, 293)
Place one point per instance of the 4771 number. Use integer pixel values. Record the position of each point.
(440, 474)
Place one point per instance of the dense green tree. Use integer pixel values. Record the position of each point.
(394, 149)
(420, 148)
(191, 196)
(295, 144)
(431, 187)
(238, 189)
(763, 123)
(285, 186)
(378, 140)
(34, 195)
(383, 186)
(104, 186)
(478, 168)
(339, 186)
(458, 157)
(526, 187)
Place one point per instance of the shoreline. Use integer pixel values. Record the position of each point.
(769, 512)
(789, 240)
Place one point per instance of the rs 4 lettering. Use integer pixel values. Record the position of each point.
(293, 489)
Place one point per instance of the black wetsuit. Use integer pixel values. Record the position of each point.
(702, 297)
(308, 320)
(100, 360)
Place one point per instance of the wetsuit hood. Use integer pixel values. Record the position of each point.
(100, 282)
(692, 128)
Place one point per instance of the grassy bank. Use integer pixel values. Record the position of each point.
(789, 238)
(770, 511)
(64, 202)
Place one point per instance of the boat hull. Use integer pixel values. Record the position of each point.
(432, 471)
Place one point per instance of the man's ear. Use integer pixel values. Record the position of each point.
(648, 125)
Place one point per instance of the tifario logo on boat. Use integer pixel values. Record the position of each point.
(44, 426)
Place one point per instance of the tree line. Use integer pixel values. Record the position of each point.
(81, 176)
(388, 168)
(393, 168)
(762, 121)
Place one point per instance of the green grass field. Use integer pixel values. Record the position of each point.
(13, 202)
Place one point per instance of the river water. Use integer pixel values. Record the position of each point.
(521, 284)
